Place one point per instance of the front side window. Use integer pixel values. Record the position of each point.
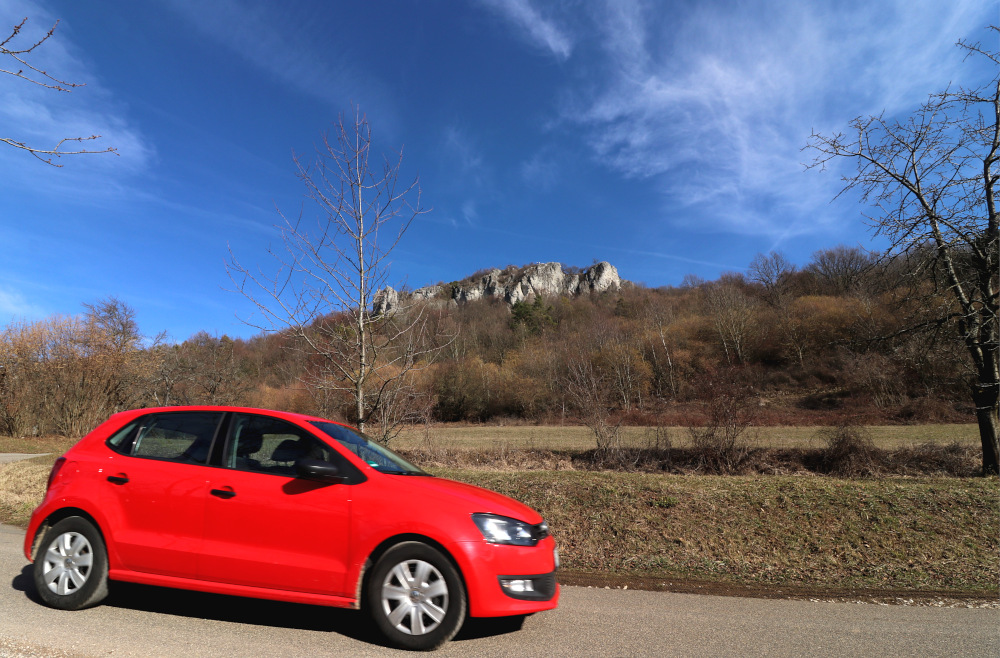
(271, 445)
(377, 456)
(179, 437)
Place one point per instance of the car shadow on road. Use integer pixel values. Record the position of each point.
(219, 607)
(24, 582)
(234, 609)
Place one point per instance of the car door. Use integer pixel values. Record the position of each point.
(155, 488)
(264, 527)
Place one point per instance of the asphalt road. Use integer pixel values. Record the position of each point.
(7, 457)
(147, 621)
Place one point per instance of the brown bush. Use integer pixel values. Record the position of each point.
(935, 459)
(849, 452)
(725, 443)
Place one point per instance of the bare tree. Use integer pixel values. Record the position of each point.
(590, 393)
(214, 371)
(661, 318)
(771, 271)
(734, 316)
(329, 276)
(932, 180)
(23, 69)
(841, 268)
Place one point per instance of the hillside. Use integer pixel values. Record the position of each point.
(543, 343)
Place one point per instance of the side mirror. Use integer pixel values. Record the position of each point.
(320, 471)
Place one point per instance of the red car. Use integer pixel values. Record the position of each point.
(289, 507)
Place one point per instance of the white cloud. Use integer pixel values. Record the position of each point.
(541, 171)
(469, 212)
(14, 306)
(533, 27)
(40, 117)
(289, 46)
(461, 148)
(714, 103)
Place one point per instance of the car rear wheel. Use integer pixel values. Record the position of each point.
(416, 597)
(71, 568)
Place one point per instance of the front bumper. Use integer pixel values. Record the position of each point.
(485, 565)
(535, 587)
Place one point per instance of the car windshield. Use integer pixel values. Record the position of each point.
(377, 456)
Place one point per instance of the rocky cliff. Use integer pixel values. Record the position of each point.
(512, 285)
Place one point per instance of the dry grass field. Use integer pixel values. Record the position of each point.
(576, 437)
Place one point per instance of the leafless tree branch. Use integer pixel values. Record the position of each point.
(36, 76)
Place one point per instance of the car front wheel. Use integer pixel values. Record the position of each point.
(71, 568)
(416, 597)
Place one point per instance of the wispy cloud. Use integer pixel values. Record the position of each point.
(465, 173)
(714, 104)
(14, 306)
(40, 117)
(462, 150)
(528, 21)
(293, 48)
(469, 212)
(540, 171)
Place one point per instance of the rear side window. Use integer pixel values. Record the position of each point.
(179, 437)
(121, 441)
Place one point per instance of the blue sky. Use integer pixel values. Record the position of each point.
(664, 137)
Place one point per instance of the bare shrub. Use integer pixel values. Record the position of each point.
(849, 452)
(726, 442)
(951, 459)
(587, 388)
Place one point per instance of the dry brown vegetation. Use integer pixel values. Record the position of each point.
(22, 486)
(782, 347)
(844, 451)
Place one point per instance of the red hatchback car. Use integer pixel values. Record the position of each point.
(289, 507)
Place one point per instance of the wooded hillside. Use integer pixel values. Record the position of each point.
(779, 345)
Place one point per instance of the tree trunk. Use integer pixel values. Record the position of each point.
(986, 401)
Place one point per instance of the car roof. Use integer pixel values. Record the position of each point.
(288, 415)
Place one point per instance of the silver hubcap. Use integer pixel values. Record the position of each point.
(415, 597)
(67, 563)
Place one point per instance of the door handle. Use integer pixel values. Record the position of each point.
(121, 478)
(223, 493)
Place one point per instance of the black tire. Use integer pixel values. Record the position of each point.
(71, 567)
(415, 597)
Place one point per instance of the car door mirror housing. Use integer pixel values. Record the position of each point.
(320, 471)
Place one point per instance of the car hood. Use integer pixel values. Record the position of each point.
(473, 498)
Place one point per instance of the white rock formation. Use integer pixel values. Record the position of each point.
(514, 285)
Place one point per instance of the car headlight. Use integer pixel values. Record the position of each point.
(505, 530)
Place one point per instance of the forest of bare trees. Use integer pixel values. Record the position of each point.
(802, 346)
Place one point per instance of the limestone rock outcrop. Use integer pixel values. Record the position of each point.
(512, 285)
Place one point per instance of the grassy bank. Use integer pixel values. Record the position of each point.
(22, 486)
(892, 534)
(937, 534)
